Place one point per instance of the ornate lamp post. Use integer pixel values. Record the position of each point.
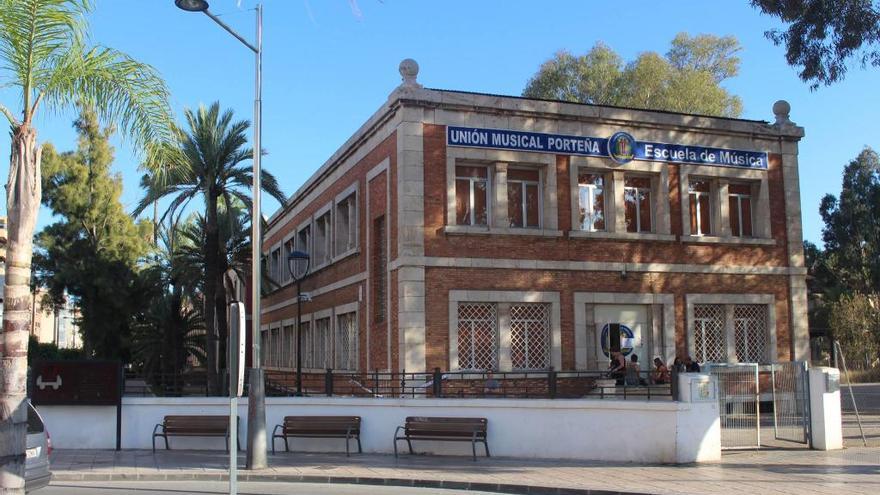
(298, 264)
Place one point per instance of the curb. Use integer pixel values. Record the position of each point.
(402, 482)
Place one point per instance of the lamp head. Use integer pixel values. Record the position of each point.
(192, 5)
(298, 264)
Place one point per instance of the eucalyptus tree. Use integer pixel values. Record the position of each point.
(49, 63)
(209, 162)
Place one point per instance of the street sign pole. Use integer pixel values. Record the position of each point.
(236, 384)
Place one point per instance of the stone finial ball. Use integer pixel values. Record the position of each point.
(781, 108)
(409, 69)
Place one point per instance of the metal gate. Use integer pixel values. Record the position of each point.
(738, 401)
(791, 402)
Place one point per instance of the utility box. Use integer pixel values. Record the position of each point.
(825, 418)
(697, 387)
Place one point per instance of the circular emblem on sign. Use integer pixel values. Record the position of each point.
(625, 332)
(621, 147)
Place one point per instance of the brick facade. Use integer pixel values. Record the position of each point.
(426, 256)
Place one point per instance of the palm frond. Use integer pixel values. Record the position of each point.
(122, 90)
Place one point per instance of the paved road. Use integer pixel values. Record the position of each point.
(867, 397)
(216, 487)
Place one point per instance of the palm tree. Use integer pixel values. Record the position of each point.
(209, 162)
(45, 55)
(170, 329)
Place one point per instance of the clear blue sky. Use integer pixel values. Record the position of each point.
(329, 64)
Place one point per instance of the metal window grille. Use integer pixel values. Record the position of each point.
(308, 345)
(380, 269)
(709, 341)
(322, 339)
(264, 347)
(750, 332)
(345, 344)
(477, 336)
(289, 349)
(530, 336)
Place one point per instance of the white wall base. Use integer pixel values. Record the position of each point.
(607, 430)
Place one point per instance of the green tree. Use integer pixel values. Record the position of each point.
(209, 163)
(852, 232)
(687, 79)
(92, 252)
(856, 325)
(823, 36)
(46, 59)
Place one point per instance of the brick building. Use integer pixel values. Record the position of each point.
(469, 231)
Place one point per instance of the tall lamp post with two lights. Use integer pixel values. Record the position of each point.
(298, 264)
(256, 442)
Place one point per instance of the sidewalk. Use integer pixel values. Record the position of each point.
(851, 471)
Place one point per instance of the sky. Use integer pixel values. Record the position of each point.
(329, 64)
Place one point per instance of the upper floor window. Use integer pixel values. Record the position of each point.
(591, 201)
(700, 207)
(740, 198)
(346, 224)
(275, 265)
(322, 248)
(637, 202)
(289, 247)
(471, 195)
(524, 197)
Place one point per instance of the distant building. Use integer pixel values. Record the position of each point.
(467, 231)
(55, 324)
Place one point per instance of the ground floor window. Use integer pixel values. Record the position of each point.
(345, 342)
(731, 332)
(530, 336)
(483, 327)
(477, 336)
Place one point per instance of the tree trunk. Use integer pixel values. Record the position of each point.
(22, 204)
(212, 248)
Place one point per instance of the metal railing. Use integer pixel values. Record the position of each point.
(533, 384)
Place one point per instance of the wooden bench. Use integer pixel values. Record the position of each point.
(346, 427)
(471, 430)
(194, 426)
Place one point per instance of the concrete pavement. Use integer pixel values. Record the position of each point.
(851, 471)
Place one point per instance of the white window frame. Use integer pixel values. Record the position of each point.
(739, 197)
(471, 181)
(729, 301)
(497, 162)
(722, 178)
(591, 197)
(539, 184)
(505, 298)
(699, 212)
(652, 199)
(615, 206)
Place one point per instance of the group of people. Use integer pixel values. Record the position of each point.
(630, 373)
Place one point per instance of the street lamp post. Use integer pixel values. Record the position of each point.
(256, 442)
(298, 264)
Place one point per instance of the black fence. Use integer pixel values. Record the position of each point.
(538, 384)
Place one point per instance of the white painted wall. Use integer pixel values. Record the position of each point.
(628, 431)
(826, 425)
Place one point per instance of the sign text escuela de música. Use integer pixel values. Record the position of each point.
(621, 147)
